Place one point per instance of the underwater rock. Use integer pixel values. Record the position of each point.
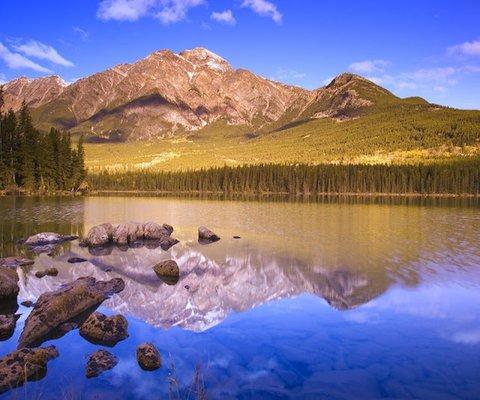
(24, 365)
(55, 308)
(13, 262)
(48, 238)
(74, 260)
(148, 357)
(49, 271)
(8, 283)
(99, 362)
(100, 329)
(206, 235)
(27, 303)
(167, 271)
(7, 325)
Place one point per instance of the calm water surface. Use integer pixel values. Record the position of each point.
(324, 300)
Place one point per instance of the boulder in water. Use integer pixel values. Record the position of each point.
(206, 235)
(108, 331)
(148, 357)
(7, 325)
(99, 362)
(167, 271)
(8, 283)
(13, 262)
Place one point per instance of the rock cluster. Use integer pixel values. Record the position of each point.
(99, 362)
(107, 331)
(148, 357)
(24, 365)
(128, 234)
(54, 309)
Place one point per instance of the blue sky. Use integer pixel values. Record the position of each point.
(426, 48)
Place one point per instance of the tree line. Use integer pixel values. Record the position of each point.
(457, 177)
(34, 161)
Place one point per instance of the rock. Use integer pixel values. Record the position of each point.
(7, 325)
(237, 237)
(127, 233)
(99, 362)
(27, 303)
(154, 231)
(166, 242)
(168, 228)
(14, 262)
(55, 308)
(206, 235)
(74, 260)
(167, 271)
(24, 365)
(99, 235)
(48, 238)
(51, 271)
(100, 329)
(8, 283)
(148, 357)
(40, 274)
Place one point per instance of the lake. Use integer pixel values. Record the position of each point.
(332, 299)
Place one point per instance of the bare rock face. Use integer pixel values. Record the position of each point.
(7, 325)
(206, 235)
(8, 283)
(100, 329)
(48, 238)
(13, 262)
(54, 309)
(167, 271)
(99, 362)
(24, 365)
(148, 357)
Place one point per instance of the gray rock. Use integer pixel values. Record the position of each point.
(148, 357)
(206, 235)
(7, 325)
(8, 283)
(56, 308)
(13, 262)
(108, 331)
(99, 362)
(24, 365)
(48, 238)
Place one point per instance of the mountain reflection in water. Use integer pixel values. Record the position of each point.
(317, 300)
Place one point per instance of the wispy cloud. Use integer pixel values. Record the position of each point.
(369, 66)
(467, 337)
(18, 61)
(3, 79)
(264, 8)
(42, 51)
(285, 74)
(225, 17)
(465, 49)
(166, 11)
(81, 32)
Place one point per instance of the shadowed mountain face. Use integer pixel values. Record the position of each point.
(166, 93)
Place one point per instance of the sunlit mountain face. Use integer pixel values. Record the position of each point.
(312, 298)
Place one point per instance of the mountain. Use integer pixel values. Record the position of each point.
(167, 92)
(195, 101)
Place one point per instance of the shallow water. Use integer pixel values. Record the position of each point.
(318, 300)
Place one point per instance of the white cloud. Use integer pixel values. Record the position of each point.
(264, 8)
(18, 61)
(467, 337)
(369, 66)
(225, 17)
(167, 11)
(466, 49)
(81, 32)
(284, 74)
(43, 52)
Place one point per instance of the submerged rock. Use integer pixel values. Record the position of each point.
(100, 329)
(99, 362)
(8, 283)
(24, 365)
(167, 271)
(7, 325)
(148, 357)
(27, 303)
(206, 235)
(74, 260)
(56, 308)
(48, 238)
(13, 262)
(49, 271)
